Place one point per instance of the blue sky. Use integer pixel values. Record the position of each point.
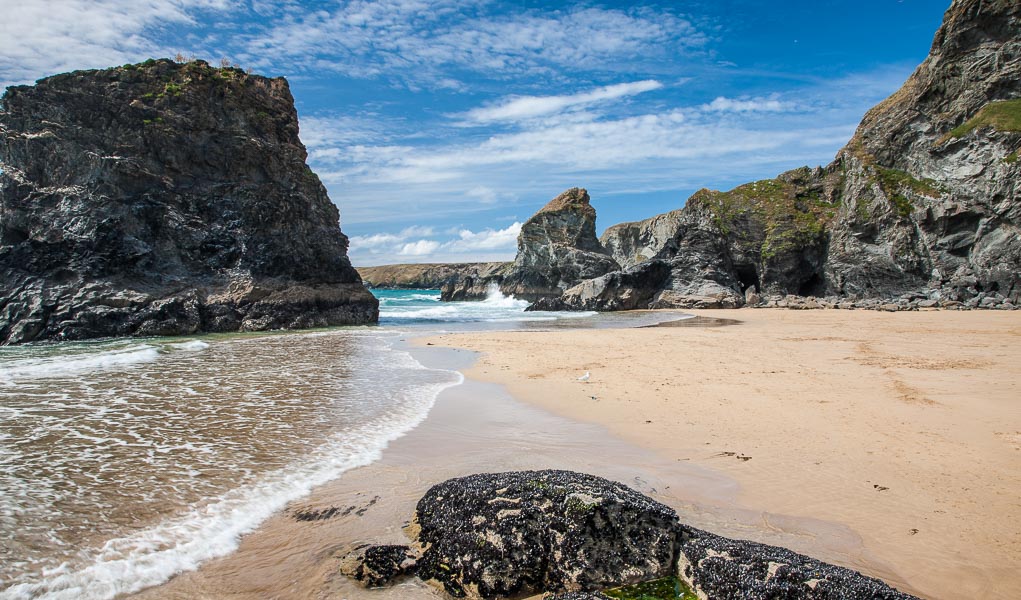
(438, 127)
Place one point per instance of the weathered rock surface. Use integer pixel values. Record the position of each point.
(931, 194)
(923, 200)
(428, 276)
(717, 567)
(501, 534)
(163, 199)
(376, 566)
(570, 534)
(557, 249)
(475, 284)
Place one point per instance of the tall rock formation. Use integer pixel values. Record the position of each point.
(557, 248)
(931, 194)
(922, 202)
(163, 199)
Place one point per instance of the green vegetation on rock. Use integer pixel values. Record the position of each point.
(894, 183)
(667, 588)
(1010, 158)
(1004, 115)
(791, 213)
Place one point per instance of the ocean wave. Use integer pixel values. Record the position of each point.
(150, 556)
(68, 365)
(189, 346)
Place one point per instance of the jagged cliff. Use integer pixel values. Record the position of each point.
(428, 276)
(922, 205)
(162, 199)
(557, 248)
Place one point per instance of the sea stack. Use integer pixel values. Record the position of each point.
(164, 198)
(557, 249)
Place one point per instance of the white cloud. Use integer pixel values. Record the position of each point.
(484, 194)
(319, 133)
(420, 41)
(419, 248)
(40, 38)
(660, 149)
(487, 239)
(386, 240)
(722, 104)
(468, 246)
(525, 107)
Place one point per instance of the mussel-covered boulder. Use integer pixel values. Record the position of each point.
(580, 537)
(501, 534)
(717, 567)
(376, 566)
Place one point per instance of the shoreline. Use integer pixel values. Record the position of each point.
(479, 427)
(905, 427)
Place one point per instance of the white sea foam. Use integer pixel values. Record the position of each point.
(189, 346)
(150, 556)
(495, 308)
(75, 364)
(495, 298)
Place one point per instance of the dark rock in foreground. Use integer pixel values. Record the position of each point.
(502, 534)
(164, 199)
(718, 567)
(376, 566)
(507, 534)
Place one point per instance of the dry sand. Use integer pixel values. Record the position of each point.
(886, 442)
(905, 427)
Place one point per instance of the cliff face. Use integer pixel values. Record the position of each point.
(922, 203)
(427, 276)
(931, 194)
(162, 199)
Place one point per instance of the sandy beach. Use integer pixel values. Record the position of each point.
(904, 427)
(886, 442)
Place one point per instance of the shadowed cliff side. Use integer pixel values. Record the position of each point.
(164, 199)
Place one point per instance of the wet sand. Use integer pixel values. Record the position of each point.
(478, 427)
(903, 428)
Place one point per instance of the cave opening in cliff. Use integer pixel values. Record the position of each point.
(813, 286)
(748, 275)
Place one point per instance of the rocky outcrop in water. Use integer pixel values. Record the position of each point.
(502, 535)
(557, 248)
(428, 276)
(164, 199)
(922, 202)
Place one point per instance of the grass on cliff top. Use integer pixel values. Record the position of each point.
(1004, 115)
(668, 588)
(790, 214)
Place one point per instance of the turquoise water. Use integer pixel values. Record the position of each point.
(423, 309)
